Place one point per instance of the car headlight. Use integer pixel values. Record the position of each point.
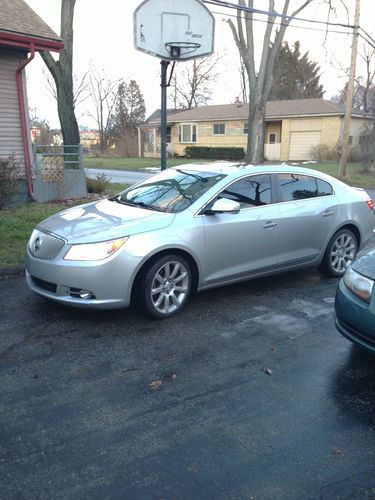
(94, 251)
(358, 284)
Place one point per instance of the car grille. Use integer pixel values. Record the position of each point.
(44, 245)
(44, 285)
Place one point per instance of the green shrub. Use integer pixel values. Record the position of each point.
(8, 179)
(98, 185)
(215, 153)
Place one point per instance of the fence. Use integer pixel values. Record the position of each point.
(58, 172)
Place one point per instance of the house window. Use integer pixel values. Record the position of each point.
(246, 128)
(219, 128)
(187, 133)
(272, 138)
(350, 142)
(169, 136)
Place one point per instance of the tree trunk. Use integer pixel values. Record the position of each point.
(62, 72)
(256, 126)
(65, 106)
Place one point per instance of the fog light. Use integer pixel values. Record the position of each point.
(77, 293)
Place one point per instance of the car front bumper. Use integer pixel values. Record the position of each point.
(107, 283)
(355, 318)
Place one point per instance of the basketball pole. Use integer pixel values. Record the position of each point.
(164, 84)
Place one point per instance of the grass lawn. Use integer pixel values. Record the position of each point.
(355, 174)
(115, 163)
(16, 225)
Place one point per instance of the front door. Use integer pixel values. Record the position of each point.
(244, 244)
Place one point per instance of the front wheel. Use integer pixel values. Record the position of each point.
(341, 251)
(166, 286)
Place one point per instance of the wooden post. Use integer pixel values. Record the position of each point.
(349, 97)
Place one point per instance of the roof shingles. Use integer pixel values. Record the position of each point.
(17, 17)
(274, 110)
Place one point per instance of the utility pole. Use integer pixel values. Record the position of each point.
(349, 96)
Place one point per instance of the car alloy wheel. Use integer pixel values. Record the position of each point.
(341, 251)
(167, 286)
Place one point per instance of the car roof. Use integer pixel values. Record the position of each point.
(240, 169)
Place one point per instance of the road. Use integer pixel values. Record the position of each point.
(249, 393)
(120, 176)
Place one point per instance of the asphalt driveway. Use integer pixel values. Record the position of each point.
(249, 393)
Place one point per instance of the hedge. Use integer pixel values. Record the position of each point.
(215, 153)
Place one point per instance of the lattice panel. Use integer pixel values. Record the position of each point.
(52, 169)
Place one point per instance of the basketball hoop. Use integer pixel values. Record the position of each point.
(178, 49)
(158, 22)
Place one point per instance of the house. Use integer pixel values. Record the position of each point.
(22, 34)
(293, 128)
(90, 139)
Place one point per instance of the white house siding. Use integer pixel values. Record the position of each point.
(359, 127)
(10, 128)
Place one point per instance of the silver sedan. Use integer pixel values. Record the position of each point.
(193, 228)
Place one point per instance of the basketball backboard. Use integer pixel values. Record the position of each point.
(174, 29)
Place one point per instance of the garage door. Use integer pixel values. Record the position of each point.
(301, 144)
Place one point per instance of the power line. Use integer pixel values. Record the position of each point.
(290, 25)
(367, 35)
(367, 41)
(252, 10)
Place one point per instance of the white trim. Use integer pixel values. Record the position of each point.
(139, 144)
(191, 125)
(218, 124)
(269, 135)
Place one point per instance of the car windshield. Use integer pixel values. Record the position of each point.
(170, 191)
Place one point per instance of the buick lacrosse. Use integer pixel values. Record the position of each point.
(196, 227)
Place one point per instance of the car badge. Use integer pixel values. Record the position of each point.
(37, 244)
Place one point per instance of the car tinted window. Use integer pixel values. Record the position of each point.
(324, 188)
(297, 187)
(251, 191)
(170, 191)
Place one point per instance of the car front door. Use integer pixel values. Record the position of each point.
(243, 244)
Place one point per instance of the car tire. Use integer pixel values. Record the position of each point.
(341, 251)
(165, 286)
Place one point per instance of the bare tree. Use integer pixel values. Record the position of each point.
(103, 92)
(366, 84)
(243, 81)
(80, 87)
(364, 89)
(191, 83)
(62, 73)
(260, 82)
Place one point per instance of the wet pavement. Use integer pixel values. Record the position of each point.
(249, 393)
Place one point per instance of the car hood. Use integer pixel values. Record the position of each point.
(366, 265)
(103, 220)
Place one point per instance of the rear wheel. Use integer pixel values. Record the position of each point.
(341, 251)
(166, 286)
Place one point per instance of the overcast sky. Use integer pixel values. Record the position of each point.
(103, 36)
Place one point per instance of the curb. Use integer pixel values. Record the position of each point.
(6, 272)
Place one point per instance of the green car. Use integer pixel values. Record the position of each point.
(355, 302)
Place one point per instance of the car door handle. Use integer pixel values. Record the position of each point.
(328, 213)
(269, 225)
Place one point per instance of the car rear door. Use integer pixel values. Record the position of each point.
(308, 213)
(246, 243)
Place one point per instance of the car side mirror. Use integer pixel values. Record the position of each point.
(224, 206)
